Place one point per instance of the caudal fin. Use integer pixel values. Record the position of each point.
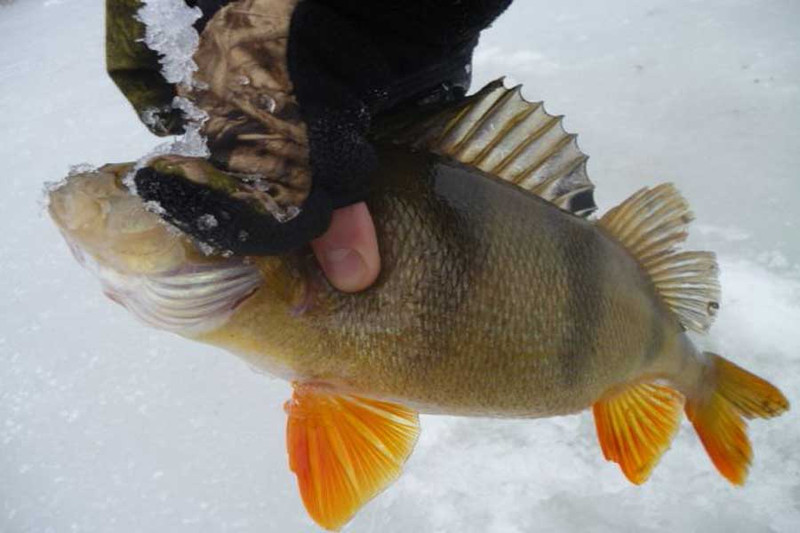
(719, 412)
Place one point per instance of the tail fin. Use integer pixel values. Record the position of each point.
(718, 414)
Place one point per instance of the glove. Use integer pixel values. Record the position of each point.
(291, 90)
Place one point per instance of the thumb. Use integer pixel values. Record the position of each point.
(348, 251)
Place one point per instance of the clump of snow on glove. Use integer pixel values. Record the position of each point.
(170, 32)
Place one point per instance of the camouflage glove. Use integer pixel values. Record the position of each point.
(291, 90)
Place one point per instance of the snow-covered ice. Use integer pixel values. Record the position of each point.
(106, 425)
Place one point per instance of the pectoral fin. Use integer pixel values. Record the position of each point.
(635, 427)
(345, 449)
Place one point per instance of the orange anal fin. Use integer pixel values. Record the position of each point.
(635, 426)
(345, 449)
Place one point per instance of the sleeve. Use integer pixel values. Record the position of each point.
(351, 60)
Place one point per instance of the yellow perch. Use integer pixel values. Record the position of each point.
(500, 295)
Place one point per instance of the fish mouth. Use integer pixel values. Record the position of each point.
(101, 219)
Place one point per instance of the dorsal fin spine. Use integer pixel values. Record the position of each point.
(466, 125)
(491, 114)
(517, 150)
(558, 173)
(515, 121)
(530, 130)
(570, 167)
(566, 198)
(536, 136)
(450, 125)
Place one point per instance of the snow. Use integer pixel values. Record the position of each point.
(106, 425)
(207, 222)
(169, 31)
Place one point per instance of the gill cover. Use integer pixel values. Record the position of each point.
(195, 300)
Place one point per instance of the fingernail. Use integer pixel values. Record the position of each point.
(344, 267)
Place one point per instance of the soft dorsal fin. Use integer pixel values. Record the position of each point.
(650, 224)
(502, 134)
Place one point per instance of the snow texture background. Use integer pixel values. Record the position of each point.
(106, 425)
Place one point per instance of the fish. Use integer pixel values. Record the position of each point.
(501, 294)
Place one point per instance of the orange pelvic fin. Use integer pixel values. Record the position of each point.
(635, 427)
(718, 415)
(345, 449)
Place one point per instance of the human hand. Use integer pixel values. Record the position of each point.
(301, 120)
(348, 251)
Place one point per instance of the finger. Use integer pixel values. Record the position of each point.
(348, 251)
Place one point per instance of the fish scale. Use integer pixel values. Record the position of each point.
(464, 333)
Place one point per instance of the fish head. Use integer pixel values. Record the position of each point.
(153, 269)
(104, 222)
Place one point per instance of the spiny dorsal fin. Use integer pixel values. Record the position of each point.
(502, 134)
(650, 224)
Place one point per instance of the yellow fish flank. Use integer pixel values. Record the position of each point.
(499, 295)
